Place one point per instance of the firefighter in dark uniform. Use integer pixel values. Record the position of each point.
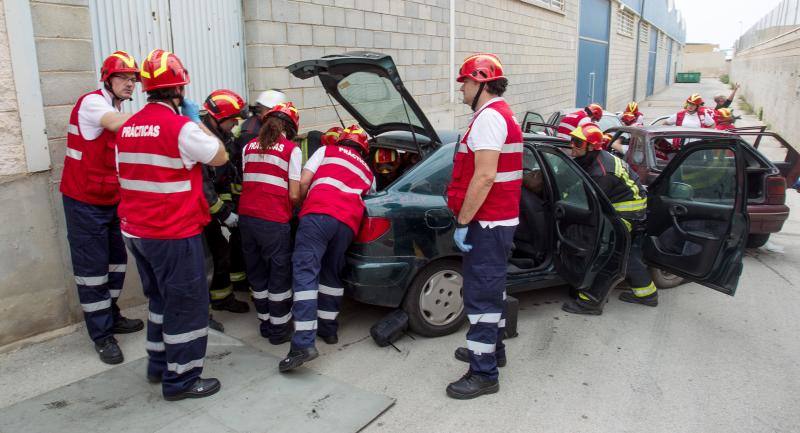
(484, 196)
(622, 187)
(223, 108)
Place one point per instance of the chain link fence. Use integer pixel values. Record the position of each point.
(785, 17)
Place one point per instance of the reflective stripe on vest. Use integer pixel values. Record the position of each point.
(570, 122)
(160, 197)
(502, 202)
(337, 186)
(265, 181)
(89, 174)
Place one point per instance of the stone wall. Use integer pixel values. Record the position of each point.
(769, 74)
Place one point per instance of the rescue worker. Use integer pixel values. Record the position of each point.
(591, 113)
(632, 109)
(271, 189)
(335, 178)
(386, 163)
(251, 127)
(693, 115)
(484, 195)
(724, 119)
(90, 193)
(224, 108)
(622, 187)
(163, 212)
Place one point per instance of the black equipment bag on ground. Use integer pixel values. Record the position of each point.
(390, 328)
(512, 308)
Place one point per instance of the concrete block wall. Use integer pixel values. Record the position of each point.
(769, 74)
(621, 64)
(415, 33)
(12, 152)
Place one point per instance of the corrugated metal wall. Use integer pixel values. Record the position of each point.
(207, 35)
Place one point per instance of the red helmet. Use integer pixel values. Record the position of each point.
(162, 69)
(331, 136)
(590, 134)
(632, 107)
(723, 115)
(385, 160)
(356, 135)
(595, 111)
(223, 104)
(287, 112)
(481, 67)
(119, 62)
(628, 118)
(695, 99)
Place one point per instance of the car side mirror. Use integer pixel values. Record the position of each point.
(681, 191)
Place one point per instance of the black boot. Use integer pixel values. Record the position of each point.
(329, 339)
(650, 300)
(296, 358)
(123, 325)
(462, 354)
(471, 386)
(230, 303)
(580, 306)
(109, 350)
(199, 389)
(215, 325)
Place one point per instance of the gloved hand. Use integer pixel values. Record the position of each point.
(460, 236)
(191, 110)
(232, 220)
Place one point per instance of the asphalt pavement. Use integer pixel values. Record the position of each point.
(701, 361)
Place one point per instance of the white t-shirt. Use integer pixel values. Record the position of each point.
(690, 120)
(92, 109)
(315, 161)
(194, 144)
(489, 132)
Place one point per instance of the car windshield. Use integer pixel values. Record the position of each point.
(608, 121)
(375, 98)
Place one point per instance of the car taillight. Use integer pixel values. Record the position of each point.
(372, 228)
(776, 190)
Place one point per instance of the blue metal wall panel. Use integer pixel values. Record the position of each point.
(594, 21)
(592, 70)
(659, 14)
(651, 61)
(636, 5)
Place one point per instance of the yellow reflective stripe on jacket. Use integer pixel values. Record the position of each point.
(216, 206)
(225, 196)
(631, 205)
(621, 172)
(236, 188)
(627, 223)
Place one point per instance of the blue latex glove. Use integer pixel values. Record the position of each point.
(460, 236)
(191, 110)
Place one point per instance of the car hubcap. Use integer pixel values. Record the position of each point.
(441, 300)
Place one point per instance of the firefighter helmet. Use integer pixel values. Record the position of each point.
(595, 111)
(286, 111)
(119, 62)
(353, 134)
(224, 104)
(331, 136)
(589, 134)
(162, 69)
(695, 99)
(481, 67)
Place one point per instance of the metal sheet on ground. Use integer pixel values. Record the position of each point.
(254, 398)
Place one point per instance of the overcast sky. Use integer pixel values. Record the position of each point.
(717, 21)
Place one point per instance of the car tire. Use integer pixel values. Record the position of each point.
(665, 280)
(434, 301)
(756, 240)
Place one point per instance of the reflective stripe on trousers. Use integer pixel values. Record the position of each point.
(174, 281)
(98, 262)
(317, 261)
(484, 270)
(266, 246)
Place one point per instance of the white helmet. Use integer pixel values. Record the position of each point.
(271, 98)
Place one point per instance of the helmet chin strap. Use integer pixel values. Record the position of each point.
(114, 95)
(474, 104)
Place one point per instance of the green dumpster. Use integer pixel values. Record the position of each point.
(687, 77)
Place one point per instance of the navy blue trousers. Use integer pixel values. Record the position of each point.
(174, 281)
(317, 261)
(484, 270)
(98, 262)
(267, 248)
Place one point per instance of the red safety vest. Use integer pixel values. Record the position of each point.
(90, 174)
(570, 122)
(682, 115)
(502, 203)
(160, 198)
(265, 185)
(337, 186)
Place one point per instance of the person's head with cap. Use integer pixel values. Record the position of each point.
(268, 99)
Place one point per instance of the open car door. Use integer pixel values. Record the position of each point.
(591, 243)
(534, 123)
(697, 220)
(780, 152)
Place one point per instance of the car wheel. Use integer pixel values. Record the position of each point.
(435, 302)
(665, 280)
(755, 240)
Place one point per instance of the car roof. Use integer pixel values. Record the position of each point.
(572, 110)
(672, 131)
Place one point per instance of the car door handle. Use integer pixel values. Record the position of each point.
(678, 210)
(560, 213)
